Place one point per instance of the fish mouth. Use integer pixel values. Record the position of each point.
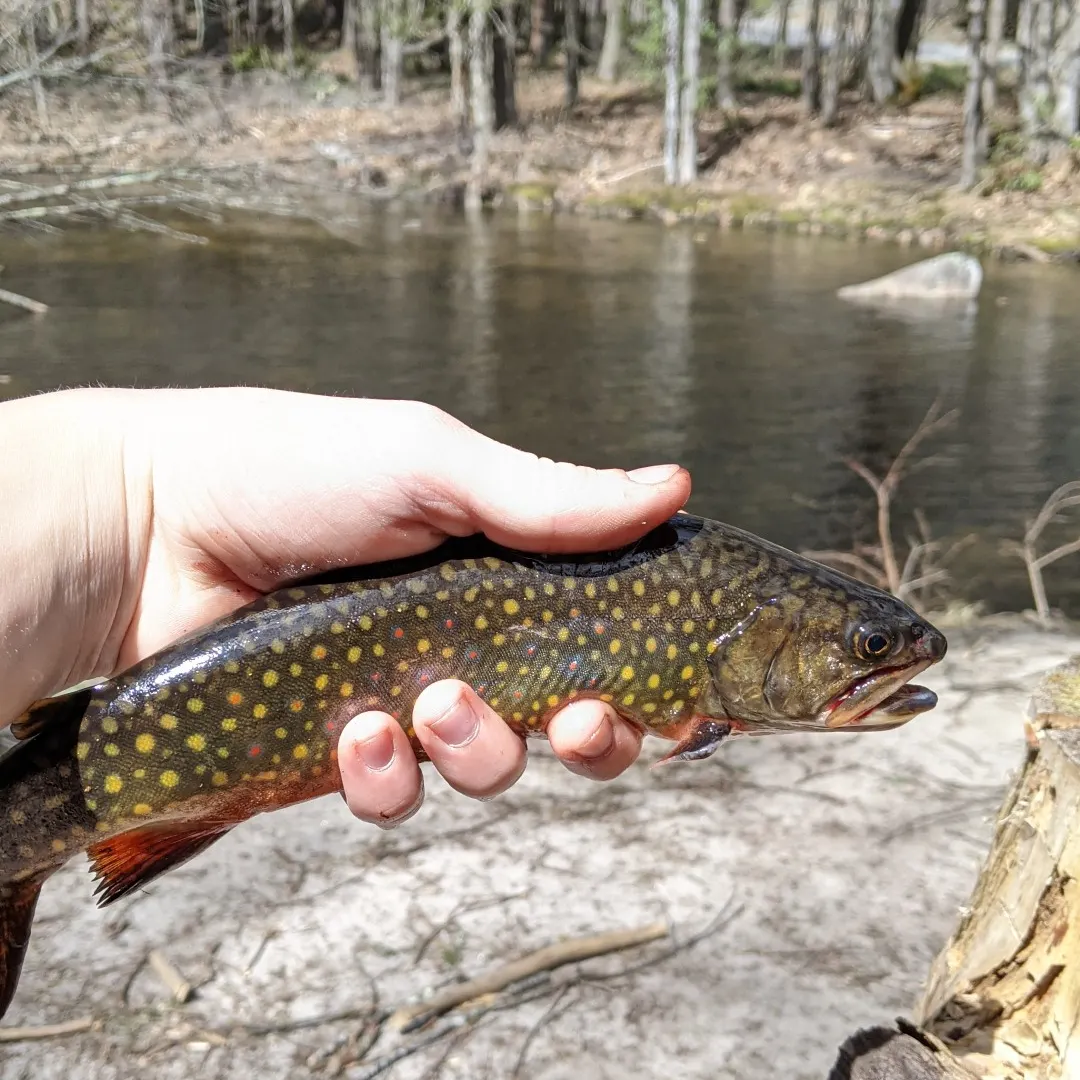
(882, 700)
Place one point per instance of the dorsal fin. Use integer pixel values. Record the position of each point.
(132, 859)
(48, 711)
(18, 899)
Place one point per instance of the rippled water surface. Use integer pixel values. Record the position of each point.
(608, 343)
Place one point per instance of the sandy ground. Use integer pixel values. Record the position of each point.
(840, 861)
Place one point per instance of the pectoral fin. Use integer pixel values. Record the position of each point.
(702, 741)
(127, 862)
(18, 899)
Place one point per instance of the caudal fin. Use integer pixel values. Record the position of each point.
(18, 899)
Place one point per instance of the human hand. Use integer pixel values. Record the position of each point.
(158, 512)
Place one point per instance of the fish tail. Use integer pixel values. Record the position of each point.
(18, 900)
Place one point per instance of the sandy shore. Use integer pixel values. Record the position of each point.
(841, 860)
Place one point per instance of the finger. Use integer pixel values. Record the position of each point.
(470, 745)
(591, 739)
(381, 780)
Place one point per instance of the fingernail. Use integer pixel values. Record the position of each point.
(394, 822)
(458, 726)
(376, 751)
(653, 474)
(599, 744)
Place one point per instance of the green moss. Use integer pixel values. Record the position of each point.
(1056, 245)
(537, 191)
(944, 79)
(746, 203)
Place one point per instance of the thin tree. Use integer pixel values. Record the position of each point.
(504, 51)
(82, 25)
(811, 60)
(459, 98)
(727, 39)
(542, 31)
(688, 107)
(157, 32)
(611, 50)
(780, 45)
(880, 66)
(391, 31)
(572, 41)
(288, 23)
(253, 20)
(671, 91)
(368, 71)
(908, 23)
(995, 31)
(974, 152)
(836, 62)
(480, 65)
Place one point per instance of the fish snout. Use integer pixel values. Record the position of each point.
(930, 643)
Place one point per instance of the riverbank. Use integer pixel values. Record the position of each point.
(837, 865)
(879, 175)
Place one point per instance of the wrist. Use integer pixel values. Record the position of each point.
(75, 493)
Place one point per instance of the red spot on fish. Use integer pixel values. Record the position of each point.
(481, 690)
(255, 751)
(398, 632)
(599, 627)
(472, 654)
(375, 676)
(531, 650)
(449, 624)
(331, 725)
(517, 695)
(425, 677)
(573, 665)
(592, 681)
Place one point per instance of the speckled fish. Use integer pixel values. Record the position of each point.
(697, 632)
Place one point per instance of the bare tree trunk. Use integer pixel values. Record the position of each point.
(995, 28)
(288, 23)
(688, 110)
(594, 19)
(611, 50)
(506, 114)
(780, 46)
(157, 32)
(811, 60)
(671, 91)
(200, 25)
(1065, 76)
(253, 21)
(480, 64)
(726, 44)
(350, 30)
(542, 31)
(38, 87)
(1035, 90)
(82, 25)
(836, 62)
(393, 54)
(974, 153)
(572, 39)
(882, 52)
(459, 99)
(368, 74)
(907, 27)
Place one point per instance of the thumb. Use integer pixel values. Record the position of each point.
(534, 503)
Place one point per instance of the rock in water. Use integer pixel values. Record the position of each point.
(952, 276)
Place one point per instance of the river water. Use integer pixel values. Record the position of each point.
(607, 343)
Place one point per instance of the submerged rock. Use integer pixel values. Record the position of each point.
(952, 276)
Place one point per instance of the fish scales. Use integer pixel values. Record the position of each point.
(695, 631)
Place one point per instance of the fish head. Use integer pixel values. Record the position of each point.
(838, 655)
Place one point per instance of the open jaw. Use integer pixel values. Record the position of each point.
(882, 700)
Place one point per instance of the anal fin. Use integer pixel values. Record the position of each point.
(18, 900)
(702, 741)
(132, 859)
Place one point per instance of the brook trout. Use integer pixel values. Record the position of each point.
(696, 632)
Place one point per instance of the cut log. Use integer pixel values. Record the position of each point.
(1002, 1000)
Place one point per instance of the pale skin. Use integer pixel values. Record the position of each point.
(131, 518)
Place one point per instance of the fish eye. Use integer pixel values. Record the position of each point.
(873, 644)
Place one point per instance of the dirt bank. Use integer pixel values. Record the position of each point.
(840, 860)
(879, 175)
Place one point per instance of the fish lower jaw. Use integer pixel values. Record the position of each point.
(872, 694)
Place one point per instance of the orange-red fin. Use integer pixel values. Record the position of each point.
(702, 741)
(18, 899)
(132, 859)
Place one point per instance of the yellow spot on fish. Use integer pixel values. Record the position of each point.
(270, 678)
(568, 584)
(491, 564)
(524, 669)
(563, 634)
(113, 784)
(277, 646)
(607, 697)
(501, 666)
(447, 573)
(553, 700)
(614, 646)
(499, 639)
(687, 672)
(628, 699)
(232, 667)
(394, 691)
(481, 622)
(300, 752)
(627, 673)
(669, 694)
(511, 606)
(378, 650)
(673, 598)
(196, 742)
(354, 654)
(109, 726)
(259, 711)
(653, 681)
(112, 749)
(168, 721)
(677, 705)
(141, 809)
(169, 779)
(81, 750)
(295, 670)
(530, 593)
(590, 590)
(447, 652)
(235, 697)
(219, 779)
(403, 665)
(688, 626)
(672, 652)
(318, 652)
(229, 723)
(547, 616)
(421, 611)
(58, 846)
(650, 644)
(18, 817)
(365, 622)
(222, 751)
(337, 628)
(145, 742)
(280, 732)
(139, 774)
(321, 681)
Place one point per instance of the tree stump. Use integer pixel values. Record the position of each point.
(1002, 999)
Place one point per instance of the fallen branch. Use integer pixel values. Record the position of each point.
(17, 300)
(59, 70)
(411, 1017)
(48, 1031)
(178, 986)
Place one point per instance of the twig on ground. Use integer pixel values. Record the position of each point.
(314, 1021)
(552, 1012)
(164, 969)
(459, 910)
(410, 1017)
(48, 1031)
(17, 300)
